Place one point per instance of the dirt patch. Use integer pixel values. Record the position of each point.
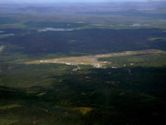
(92, 59)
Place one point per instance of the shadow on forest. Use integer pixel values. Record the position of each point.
(124, 96)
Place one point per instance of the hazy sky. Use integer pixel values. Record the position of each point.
(48, 1)
(53, 1)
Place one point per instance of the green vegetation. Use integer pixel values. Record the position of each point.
(129, 89)
(94, 96)
(142, 60)
(48, 94)
(30, 75)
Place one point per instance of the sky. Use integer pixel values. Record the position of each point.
(50, 1)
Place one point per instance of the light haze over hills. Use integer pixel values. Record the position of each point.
(78, 1)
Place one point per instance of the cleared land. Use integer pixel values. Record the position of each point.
(93, 59)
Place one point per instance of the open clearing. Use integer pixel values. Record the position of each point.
(93, 59)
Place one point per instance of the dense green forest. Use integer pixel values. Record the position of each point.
(97, 96)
